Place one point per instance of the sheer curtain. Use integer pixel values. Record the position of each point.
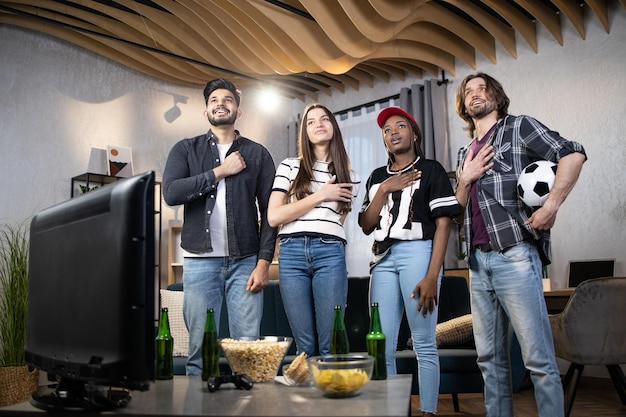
(364, 144)
(365, 148)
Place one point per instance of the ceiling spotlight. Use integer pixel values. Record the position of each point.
(268, 100)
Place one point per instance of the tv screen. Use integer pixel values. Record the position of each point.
(91, 296)
(580, 271)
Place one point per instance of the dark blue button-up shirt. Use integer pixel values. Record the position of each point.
(189, 179)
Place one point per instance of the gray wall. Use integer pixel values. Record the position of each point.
(579, 90)
(58, 101)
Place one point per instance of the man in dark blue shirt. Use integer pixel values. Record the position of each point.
(224, 181)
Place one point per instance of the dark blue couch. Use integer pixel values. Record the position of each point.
(459, 372)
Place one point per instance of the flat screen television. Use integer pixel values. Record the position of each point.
(91, 297)
(580, 271)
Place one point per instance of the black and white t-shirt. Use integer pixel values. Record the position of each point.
(322, 220)
(409, 214)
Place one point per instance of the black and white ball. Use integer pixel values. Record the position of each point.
(535, 182)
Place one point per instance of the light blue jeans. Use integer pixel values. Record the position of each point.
(393, 280)
(313, 279)
(507, 291)
(207, 281)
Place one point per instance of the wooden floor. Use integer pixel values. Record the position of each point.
(596, 397)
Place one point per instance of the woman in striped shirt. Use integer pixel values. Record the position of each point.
(311, 197)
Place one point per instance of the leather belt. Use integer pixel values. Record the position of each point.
(483, 247)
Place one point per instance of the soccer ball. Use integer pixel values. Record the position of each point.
(535, 182)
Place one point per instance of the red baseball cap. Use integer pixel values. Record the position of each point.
(387, 112)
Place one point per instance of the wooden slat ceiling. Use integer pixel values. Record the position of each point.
(301, 47)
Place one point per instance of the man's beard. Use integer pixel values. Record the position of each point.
(481, 111)
(223, 121)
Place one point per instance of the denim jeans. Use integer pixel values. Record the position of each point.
(393, 280)
(313, 279)
(507, 290)
(207, 281)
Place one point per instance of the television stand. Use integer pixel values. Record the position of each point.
(78, 396)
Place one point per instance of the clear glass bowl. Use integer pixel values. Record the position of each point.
(303, 380)
(341, 375)
(257, 357)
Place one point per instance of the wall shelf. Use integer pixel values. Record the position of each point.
(174, 253)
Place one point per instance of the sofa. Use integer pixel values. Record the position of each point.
(457, 354)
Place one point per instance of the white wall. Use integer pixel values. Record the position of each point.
(579, 90)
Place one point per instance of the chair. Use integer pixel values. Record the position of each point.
(590, 331)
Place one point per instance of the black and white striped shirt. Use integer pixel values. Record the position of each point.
(322, 220)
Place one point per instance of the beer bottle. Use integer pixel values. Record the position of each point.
(210, 348)
(339, 341)
(164, 345)
(375, 341)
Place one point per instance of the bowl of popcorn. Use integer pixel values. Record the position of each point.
(257, 357)
(341, 375)
(297, 372)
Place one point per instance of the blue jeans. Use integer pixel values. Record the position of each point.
(507, 291)
(313, 279)
(393, 280)
(206, 282)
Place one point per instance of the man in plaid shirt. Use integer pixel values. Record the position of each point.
(507, 241)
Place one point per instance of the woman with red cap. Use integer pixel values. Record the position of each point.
(408, 205)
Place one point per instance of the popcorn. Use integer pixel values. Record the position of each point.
(259, 359)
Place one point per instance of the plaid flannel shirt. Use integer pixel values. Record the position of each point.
(517, 141)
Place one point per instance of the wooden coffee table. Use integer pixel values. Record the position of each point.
(189, 396)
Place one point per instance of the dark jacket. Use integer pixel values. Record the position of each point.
(189, 179)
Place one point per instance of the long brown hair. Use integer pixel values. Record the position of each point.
(339, 161)
(494, 90)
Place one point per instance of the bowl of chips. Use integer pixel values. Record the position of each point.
(257, 357)
(341, 375)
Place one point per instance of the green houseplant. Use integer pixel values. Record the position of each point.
(16, 381)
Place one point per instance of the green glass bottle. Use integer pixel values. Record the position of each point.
(210, 348)
(375, 341)
(339, 341)
(164, 345)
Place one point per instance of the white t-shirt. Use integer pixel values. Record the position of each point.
(219, 235)
(322, 220)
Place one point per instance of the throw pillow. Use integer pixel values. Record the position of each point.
(458, 331)
(173, 300)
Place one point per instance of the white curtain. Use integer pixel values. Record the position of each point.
(364, 144)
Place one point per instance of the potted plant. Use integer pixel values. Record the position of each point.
(461, 256)
(17, 382)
